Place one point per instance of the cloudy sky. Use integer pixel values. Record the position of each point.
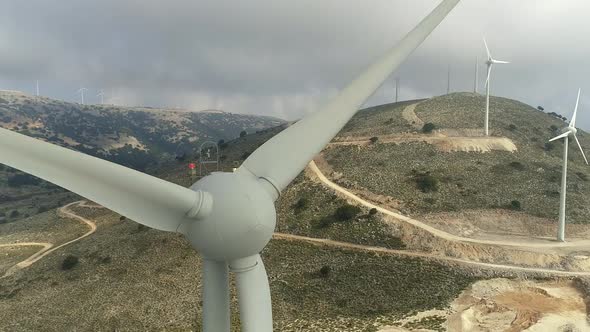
(285, 58)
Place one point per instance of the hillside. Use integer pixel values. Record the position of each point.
(135, 137)
(337, 264)
(141, 138)
(526, 179)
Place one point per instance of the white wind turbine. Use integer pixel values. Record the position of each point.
(568, 131)
(81, 91)
(228, 217)
(491, 61)
(101, 95)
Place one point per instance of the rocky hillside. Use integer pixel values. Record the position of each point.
(135, 137)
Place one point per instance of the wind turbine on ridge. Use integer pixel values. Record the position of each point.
(101, 95)
(568, 131)
(81, 91)
(227, 217)
(491, 62)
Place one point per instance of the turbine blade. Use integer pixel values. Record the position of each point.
(489, 75)
(146, 199)
(284, 156)
(573, 120)
(500, 61)
(581, 150)
(253, 297)
(560, 136)
(487, 49)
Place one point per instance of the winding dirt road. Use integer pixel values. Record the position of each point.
(48, 248)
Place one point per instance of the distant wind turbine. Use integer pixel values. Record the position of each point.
(101, 95)
(396, 89)
(476, 80)
(491, 61)
(81, 91)
(449, 79)
(37, 88)
(568, 131)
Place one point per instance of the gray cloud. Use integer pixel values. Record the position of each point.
(286, 57)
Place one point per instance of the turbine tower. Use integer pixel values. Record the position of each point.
(81, 91)
(37, 88)
(101, 95)
(476, 80)
(396, 89)
(568, 131)
(491, 61)
(227, 217)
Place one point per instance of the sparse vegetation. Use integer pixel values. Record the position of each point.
(347, 212)
(426, 182)
(515, 205)
(374, 139)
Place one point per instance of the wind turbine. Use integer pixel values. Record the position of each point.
(81, 91)
(37, 88)
(476, 80)
(227, 217)
(491, 61)
(568, 131)
(101, 95)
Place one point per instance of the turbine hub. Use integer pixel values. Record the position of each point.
(572, 129)
(241, 221)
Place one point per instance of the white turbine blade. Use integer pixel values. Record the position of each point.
(581, 150)
(500, 62)
(573, 120)
(281, 158)
(489, 74)
(560, 136)
(254, 298)
(146, 199)
(487, 49)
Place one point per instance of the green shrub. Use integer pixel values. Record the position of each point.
(426, 182)
(512, 127)
(517, 166)
(325, 271)
(515, 205)
(374, 139)
(69, 262)
(42, 209)
(243, 133)
(18, 180)
(372, 211)
(301, 204)
(122, 218)
(428, 128)
(553, 128)
(14, 214)
(548, 146)
(347, 212)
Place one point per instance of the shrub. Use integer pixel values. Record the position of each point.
(428, 128)
(325, 271)
(515, 205)
(374, 139)
(426, 182)
(347, 212)
(243, 133)
(512, 127)
(14, 214)
(18, 180)
(122, 218)
(69, 262)
(517, 165)
(540, 108)
(553, 128)
(372, 211)
(245, 155)
(548, 146)
(301, 204)
(42, 209)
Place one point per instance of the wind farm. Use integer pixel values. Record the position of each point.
(401, 215)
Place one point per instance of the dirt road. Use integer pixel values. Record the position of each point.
(48, 248)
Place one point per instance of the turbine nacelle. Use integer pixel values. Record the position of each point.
(240, 220)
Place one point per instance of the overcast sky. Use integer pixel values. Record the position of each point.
(285, 58)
